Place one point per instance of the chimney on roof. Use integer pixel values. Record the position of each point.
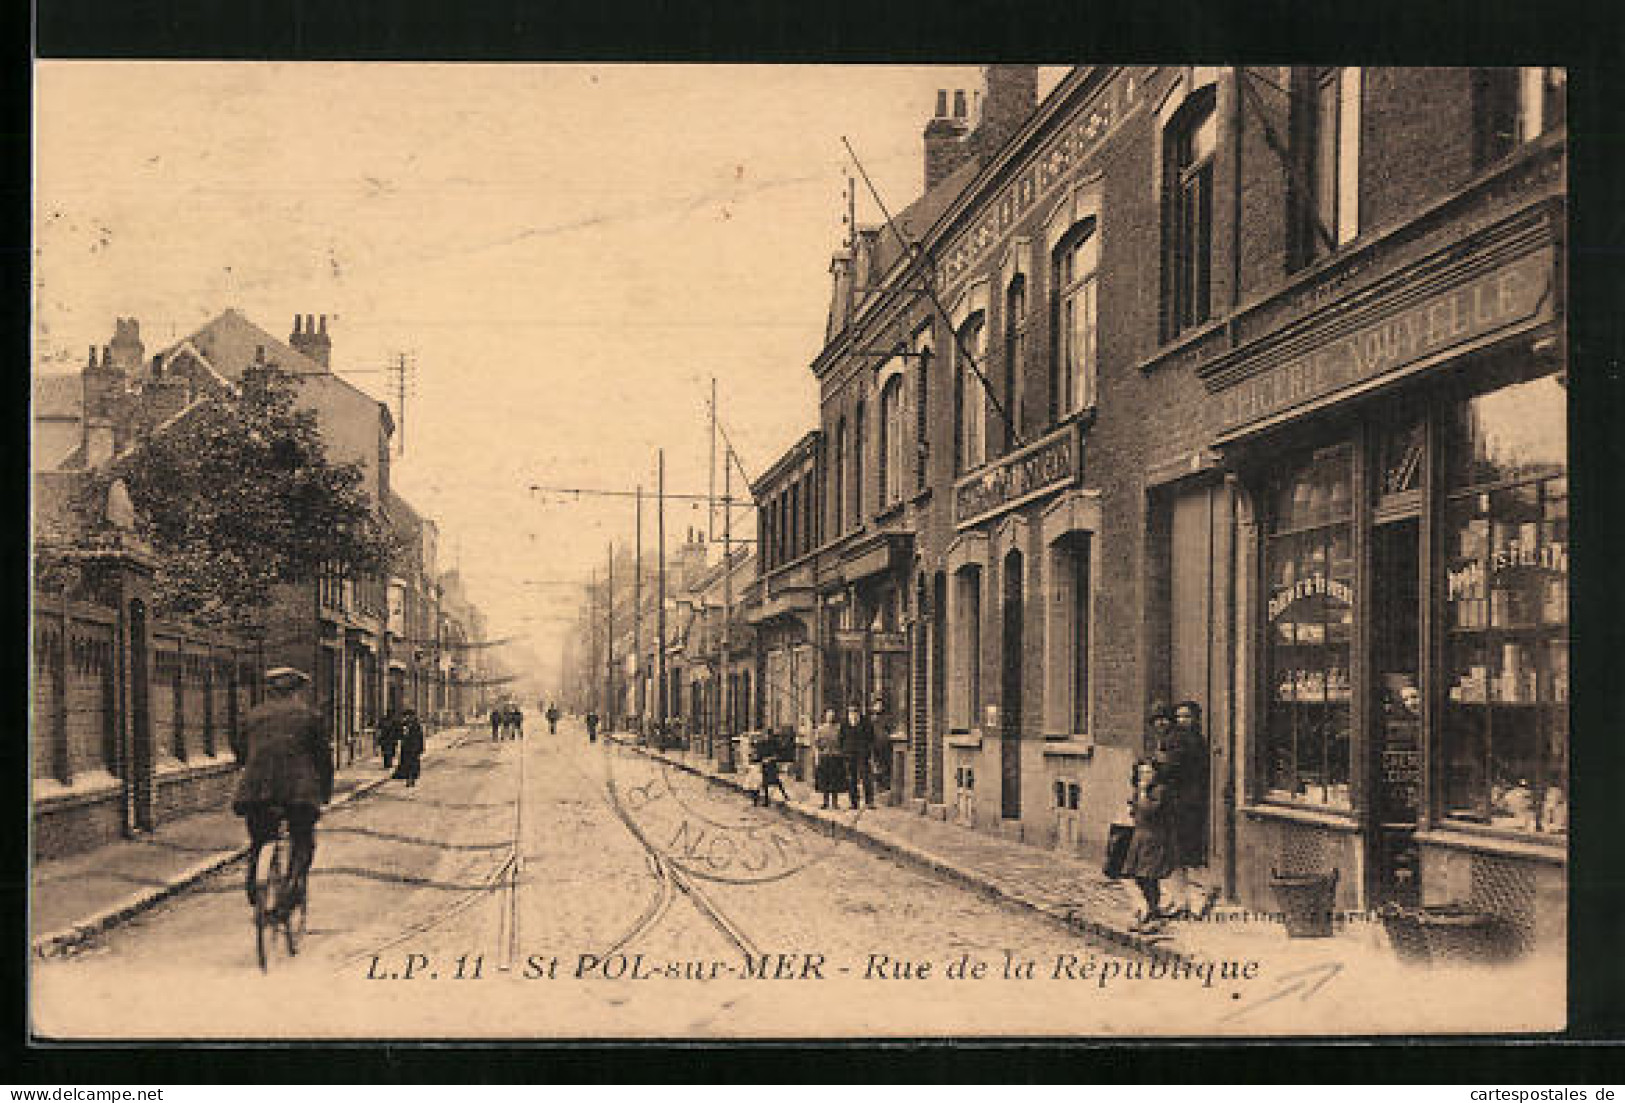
(128, 352)
(1012, 97)
(945, 145)
(310, 341)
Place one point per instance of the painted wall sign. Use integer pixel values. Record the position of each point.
(1315, 585)
(1036, 470)
(1078, 141)
(1516, 292)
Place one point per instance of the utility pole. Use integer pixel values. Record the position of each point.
(660, 615)
(609, 666)
(711, 492)
(725, 760)
(400, 404)
(638, 696)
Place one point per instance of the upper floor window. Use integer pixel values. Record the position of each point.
(1513, 106)
(969, 394)
(1075, 263)
(837, 478)
(922, 392)
(891, 441)
(1328, 136)
(1187, 212)
(1015, 353)
(859, 439)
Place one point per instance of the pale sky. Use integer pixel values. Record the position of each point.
(570, 253)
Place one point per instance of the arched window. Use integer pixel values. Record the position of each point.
(1015, 353)
(1187, 212)
(969, 395)
(859, 439)
(1072, 377)
(891, 442)
(837, 478)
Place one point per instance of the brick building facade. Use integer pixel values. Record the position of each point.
(1196, 384)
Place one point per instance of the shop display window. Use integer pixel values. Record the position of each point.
(1503, 741)
(1309, 565)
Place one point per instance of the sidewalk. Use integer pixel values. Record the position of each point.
(74, 898)
(1065, 886)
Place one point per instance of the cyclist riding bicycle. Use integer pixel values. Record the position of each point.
(289, 773)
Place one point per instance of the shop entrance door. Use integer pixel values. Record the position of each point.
(1010, 692)
(1396, 712)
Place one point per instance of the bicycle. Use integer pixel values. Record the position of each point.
(275, 893)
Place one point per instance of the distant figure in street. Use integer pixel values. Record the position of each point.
(858, 744)
(517, 717)
(288, 775)
(411, 749)
(552, 719)
(389, 737)
(769, 750)
(829, 767)
(592, 727)
(496, 723)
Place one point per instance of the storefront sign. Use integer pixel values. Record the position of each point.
(1077, 142)
(1316, 585)
(1516, 292)
(1035, 470)
(853, 639)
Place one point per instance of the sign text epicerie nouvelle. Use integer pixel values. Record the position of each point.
(1479, 307)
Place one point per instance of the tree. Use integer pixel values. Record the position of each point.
(238, 495)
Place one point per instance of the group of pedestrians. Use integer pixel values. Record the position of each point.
(401, 732)
(844, 755)
(1168, 810)
(507, 722)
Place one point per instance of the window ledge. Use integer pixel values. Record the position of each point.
(970, 740)
(1555, 852)
(1068, 746)
(1313, 816)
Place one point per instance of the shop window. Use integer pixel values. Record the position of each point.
(1015, 354)
(1327, 136)
(1513, 106)
(970, 395)
(1187, 213)
(1503, 741)
(1309, 565)
(891, 441)
(1074, 265)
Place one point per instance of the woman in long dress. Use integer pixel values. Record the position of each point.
(829, 765)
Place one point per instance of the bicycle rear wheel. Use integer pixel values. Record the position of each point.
(267, 875)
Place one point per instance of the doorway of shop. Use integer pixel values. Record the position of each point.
(1010, 691)
(1396, 711)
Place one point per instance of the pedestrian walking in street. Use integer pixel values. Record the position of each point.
(770, 752)
(288, 774)
(829, 767)
(552, 719)
(1183, 761)
(518, 718)
(411, 749)
(496, 723)
(858, 745)
(592, 727)
(389, 737)
(1150, 853)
